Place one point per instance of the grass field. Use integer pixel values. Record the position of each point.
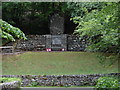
(54, 63)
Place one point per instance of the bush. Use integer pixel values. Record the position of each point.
(107, 82)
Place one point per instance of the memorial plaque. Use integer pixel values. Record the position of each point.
(56, 42)
(56, 39)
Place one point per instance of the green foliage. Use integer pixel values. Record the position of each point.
(82, 8)
(101, 27)
(107, 82)
(34, 84)
(9, 32)
(101, 59)
(107, 60)
(32, 17)
(3, 80)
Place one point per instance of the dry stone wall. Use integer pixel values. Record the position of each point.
(38, 43)
(33, 43)
(61, 80)
(11, 85)
(76, 43)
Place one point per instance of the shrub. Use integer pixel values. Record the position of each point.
(10, 33)
(34, 84)
(107, 82)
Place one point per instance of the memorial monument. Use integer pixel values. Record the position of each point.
(57, 40)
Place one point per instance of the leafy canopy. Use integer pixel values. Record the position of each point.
(32, 17)
(100, 26)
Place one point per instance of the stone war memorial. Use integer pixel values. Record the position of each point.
(59, 45)
(56, 40)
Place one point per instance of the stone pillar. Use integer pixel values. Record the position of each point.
(57, 41)
(64, 41)
(56, 25)
(48, 41)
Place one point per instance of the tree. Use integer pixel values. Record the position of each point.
(31, 17)
(10, 33)
(101, 26)
(82, 8)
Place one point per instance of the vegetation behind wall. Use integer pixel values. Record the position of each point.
(34, 17)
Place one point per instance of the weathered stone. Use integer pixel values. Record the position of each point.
(41, 42)
(9, 85)
(61, 80)
(56, 25)
(56, 42)
(76, 43)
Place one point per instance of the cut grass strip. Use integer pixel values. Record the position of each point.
(54, 63)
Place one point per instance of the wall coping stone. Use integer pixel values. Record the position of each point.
(13, 84)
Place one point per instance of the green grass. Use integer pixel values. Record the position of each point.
(4, 80)
(54, 63)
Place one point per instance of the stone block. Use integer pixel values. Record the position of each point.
(56, 24)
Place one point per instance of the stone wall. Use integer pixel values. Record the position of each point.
(38, 43)
(7, 50)
(61, 80)
(76, 43)
(8, 85)
(33, 43)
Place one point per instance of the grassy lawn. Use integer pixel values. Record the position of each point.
(54, 63)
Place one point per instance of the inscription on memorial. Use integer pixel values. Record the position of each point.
(56, 41)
